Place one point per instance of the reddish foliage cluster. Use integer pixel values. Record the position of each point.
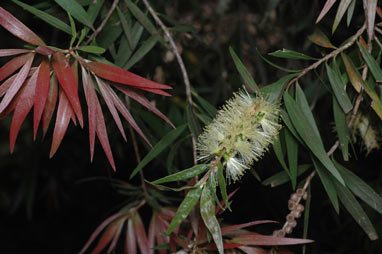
(46, 75)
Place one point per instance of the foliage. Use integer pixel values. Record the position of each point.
(188, 204)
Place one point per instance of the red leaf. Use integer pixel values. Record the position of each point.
(253, 250)
(325, 9)
(12, 52)
(140, 233)
(43, 50)
(141, 99)
(102, 134)
(17, 28)
(130, 245)
(99, 229)
(16, 85)
(90, 97)
(7, 84)
(42, 89)
(14, 64)
(229, 229)
(106, 94)
(122, 76)
(108, 235)
(226, 246)
(152, 232)
(68, 82)
(24, 105)
(116, 235)
(64, 113)
(50, 104)
(268, 240)
(157, 91)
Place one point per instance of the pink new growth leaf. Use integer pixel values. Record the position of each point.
(42, 89)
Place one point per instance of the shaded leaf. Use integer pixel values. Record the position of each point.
(50, 104)
(267, 240)
(325, 9)
(222, 185)
(343, 6)
(354, 76)
(244, 73)
(183, 175)
(232, 228)
(290, 54)
(17, 28)
(350, 12)
(283, 177)
(130, 245)
(274, 91)
(275, 65)
(292, 153)
(159, 147)
(108, 235)
(372, 63)
(140, 233)
(76, 10)
(370, 17)
(342, 129)
(320, 39)
(51, 20)
(141, 52)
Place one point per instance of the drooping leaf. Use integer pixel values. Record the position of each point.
(374, 67)
(207, 210)
(267, 240)
(42, 89)
(244, 73)
(14, 64)
(140, 233)
(355, 78)
(275, 65)
(68, 82)
(17, 83)
(130, 245)
(292, 153)
(290, 54)
(51, 20)
(370, 17)
(320, 39)
(354, 208)
(50, 104)
(108, 235)
(283, 177)
(17, 28)
(12, 52)
(350, 12)
(344, 4)
(278, 149)
(24, 105)
(76, 10)
(274, 91)
(183, 175)
(223, 186)
(325, 9)
(342, 129)
(141, 52)
(159, 147)
(184, 208)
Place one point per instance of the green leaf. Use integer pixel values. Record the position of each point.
(274, 91)
(372, 63)
(360, 188)
(183, 175)
(292, 153)
(207, 210)
(141, 52)
(344, 4)
(142, 18)
(192, 122)
(222, 185)
(354, 208)
(350, 12)
(244, 73)
(279, 152)
(342, 129)
(51, 20)
(275, 65)
(185, 208)
(108, 36)
(283, 177)
(208, 107)
(308, 134)
(159, 147)
(76, 10)
(92, 49)
(289, 124)
(73, 28)
(290, 54)
(94, 9)
(328, 183)
(339, 89)
(126, 27)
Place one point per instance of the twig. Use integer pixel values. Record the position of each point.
(181, 65)
(331, 55)
(101, 26)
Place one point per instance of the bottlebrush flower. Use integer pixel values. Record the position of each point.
(243, 130)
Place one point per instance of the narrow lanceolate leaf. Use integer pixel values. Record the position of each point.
(140, 233)
(184, 208)
(308, 134)
(267, 240)
(92, 49)
(12, 52)
(328, 183)
(354, 208)
(14, 64)
(17, 83)
(50, 104)
(141, 99)
(355, 78)
(159, 147)
(141, 52)
(24, 105)
(338, 88)
(183, 175)
(342, 129)
(108, 235)
(51, 20)
(42, 89)
(290, 54)
(292, 153)
(130, 244)
(283, 177)
(223, 186)
(68, 82)
(122, 76)
(76, 10)
(232, 228)
(64, 114)
(374, 67)
(99, 229)
(110, 104)
(344, 4)
(90, 96)
(350, 12)
(207, 210)
(370, 15)
(360, 188)
(327, 6)
(17, 28)
(320, 39)
(244, 73)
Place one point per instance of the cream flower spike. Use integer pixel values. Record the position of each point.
(243, 129)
